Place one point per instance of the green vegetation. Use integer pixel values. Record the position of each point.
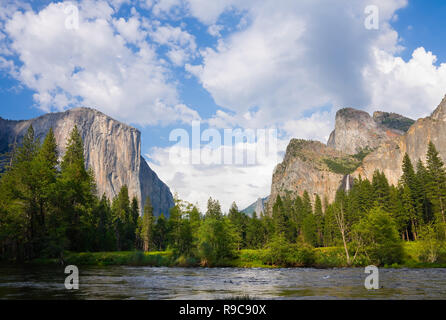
(394, 121)
(322, 257)
(343, 166)
(50, 213)
(348, 164)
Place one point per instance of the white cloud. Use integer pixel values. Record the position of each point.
(130, 29)
(166, 7)
(228, 183)
(318, 126)
(413, 88)
(208, 11)
(181, 44)
(295, 56)
(214, 30)
(93, 65)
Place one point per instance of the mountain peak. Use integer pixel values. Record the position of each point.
(440, 112)
(356, 130)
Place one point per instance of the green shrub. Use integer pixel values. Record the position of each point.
(429, 248)
(281, 253)
(380, 237)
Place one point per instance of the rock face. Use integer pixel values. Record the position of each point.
(356, 130)
(305, 168)
(389, 156)
(112, 150)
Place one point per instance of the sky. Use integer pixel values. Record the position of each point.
(283, 66)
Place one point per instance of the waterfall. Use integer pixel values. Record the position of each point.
(347, 184)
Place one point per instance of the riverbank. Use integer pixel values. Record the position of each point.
(328, 257)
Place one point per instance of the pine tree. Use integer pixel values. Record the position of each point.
(423, 179)
(255, 233)
(75, 190)
(18, 201)
(319, 220)
(106, 240)
(437, 184)
(121, 219)
(195, 222)
(160, 233)
(214, 209)
(309, 230)
(148, 226)
(46, 167)
(381, 189)
(174, 224)
(238, 221)
(279, 218)
(330, 226)
(398, 213)
(412, 195)
(133, 224)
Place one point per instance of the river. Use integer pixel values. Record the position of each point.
(121, 282)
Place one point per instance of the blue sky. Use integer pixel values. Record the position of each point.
(159, 64)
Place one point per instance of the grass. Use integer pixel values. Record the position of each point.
(327, 257)
(132, 258)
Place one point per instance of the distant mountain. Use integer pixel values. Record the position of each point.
(112, 150)
(258, 207)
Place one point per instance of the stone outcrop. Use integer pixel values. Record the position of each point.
(305, 167)
(112, 150)
(389, 156)
(356, 130)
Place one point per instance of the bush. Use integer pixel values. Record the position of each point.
(330, 257)
(429, 247)
(281, 253)
(379, 234)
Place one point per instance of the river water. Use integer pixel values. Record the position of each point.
(120, 282)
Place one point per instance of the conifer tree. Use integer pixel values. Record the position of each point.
(319, 220)
(437, 184)
(148, 226)
(121, 219)
(238, 221)
(381, 191)
(423, 179)
(280, 218)
(160, 233)
(76, 190)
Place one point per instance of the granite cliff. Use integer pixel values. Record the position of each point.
(356, 130)
(112, 150)
(309, 166)
(359, 144)
(389, 156)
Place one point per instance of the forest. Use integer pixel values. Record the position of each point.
(50, 208)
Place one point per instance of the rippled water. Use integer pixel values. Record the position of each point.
(220, 283)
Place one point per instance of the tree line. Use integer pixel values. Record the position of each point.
(49, 206)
